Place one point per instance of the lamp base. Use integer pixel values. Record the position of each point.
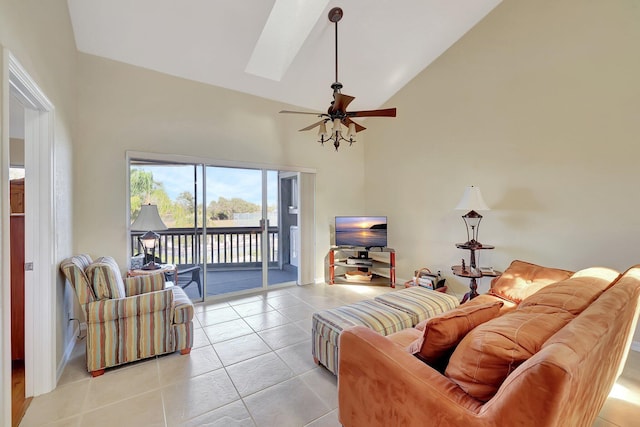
(151, 266)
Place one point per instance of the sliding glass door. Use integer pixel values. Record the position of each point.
(228, 229)
(244, 241)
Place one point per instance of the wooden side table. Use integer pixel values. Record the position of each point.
(164, 268)
(471, 271)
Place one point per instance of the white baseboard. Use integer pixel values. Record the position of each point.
(67, 353)
(635, 346)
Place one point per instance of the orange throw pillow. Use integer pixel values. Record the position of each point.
(442, 333)
(522, 279)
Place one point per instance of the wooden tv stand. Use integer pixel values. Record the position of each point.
(354, 264)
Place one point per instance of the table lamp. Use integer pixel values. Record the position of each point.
(472, 201)
(149, 219)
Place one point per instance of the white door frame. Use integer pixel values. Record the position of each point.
(40, 301)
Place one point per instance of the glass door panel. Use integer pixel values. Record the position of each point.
(234, 246)
(173, 188)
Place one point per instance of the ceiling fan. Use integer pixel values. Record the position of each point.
(337, 112)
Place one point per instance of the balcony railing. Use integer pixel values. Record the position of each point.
(225, 247)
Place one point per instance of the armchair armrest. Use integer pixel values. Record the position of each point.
(381, 384)
(137, 305)
(137, 285)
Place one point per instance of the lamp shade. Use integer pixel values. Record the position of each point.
(336, 126)
(148, 219)
(472, 200)
(322, 131)
(351, 133)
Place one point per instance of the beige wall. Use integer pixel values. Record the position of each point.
(39, 35)
(538, 105)
(122, 107)
(16, 152)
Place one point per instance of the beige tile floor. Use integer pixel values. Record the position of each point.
(251, 365)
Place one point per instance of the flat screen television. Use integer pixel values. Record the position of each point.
(364, 231)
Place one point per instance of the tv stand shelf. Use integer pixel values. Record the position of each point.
(350, 264)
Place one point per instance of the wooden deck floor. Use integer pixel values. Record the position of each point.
(231, 281)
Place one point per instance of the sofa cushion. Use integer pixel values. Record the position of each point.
(106, 281)
(74, 270)
(522, 279)
(442, 333)
(573, 294)
(490, 352)
(405, 337)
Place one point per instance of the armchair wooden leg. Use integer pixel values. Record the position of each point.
(97, 373)
(185, 351)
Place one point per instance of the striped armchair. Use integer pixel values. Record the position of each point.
(128, 319)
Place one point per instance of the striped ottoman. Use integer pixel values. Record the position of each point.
(418, 302)
(327, 325)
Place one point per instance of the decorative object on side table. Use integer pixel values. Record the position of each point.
(149, 220)
(137, 262)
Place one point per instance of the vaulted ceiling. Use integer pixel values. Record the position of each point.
(282, 50)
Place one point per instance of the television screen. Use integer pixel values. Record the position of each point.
(365, 231)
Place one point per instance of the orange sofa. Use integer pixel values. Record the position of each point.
(542, 348)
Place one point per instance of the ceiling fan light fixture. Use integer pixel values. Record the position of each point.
(336, 126)
(351, 133)
(322, 131)
(337, 112)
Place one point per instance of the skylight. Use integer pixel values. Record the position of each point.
(286, 29)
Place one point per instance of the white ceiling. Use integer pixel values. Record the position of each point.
(383, 44)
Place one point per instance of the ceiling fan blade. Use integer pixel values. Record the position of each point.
(300, 112)
(359, 127)
(387, 112)
(312, 126)
(342, 101)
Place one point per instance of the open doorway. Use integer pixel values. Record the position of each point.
(19, 401)
(39, 269)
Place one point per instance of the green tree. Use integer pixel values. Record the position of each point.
(144, 189)
(184, 210)
(141, 185)
(224, 208)
(165, 206)
(186, 201)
